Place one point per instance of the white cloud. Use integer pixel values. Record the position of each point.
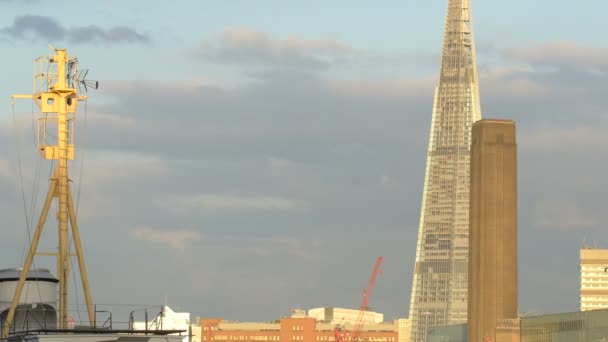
(231, 202)
(560, 53)
(395, 88)
(107, 167)
(553, 136)
(252, 46)
(277, 246)
(247, 47)
(174, 239)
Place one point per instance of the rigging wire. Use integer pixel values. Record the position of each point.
(20, 169)
(37, 172)
(28, 216)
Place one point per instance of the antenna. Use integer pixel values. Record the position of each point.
(82, 79)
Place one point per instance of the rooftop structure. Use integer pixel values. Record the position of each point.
(344, 316)
(167, 319)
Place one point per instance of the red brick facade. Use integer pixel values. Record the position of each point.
(291, 329)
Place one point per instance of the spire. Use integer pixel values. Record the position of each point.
(458, 89)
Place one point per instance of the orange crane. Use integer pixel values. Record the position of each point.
(366, 294)
(339, 333)
(209, 324)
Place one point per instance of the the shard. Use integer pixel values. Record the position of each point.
(439, 289)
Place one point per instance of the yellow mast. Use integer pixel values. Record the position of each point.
(54, 92)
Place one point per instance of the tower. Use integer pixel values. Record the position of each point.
(55, 78)
(493, 229)
(439, 289)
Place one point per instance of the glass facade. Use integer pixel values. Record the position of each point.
(451, 333)
(439, 288)
(582, 326)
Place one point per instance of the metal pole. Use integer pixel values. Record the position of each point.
(30, 256)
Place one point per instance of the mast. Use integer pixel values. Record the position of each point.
(54, 92)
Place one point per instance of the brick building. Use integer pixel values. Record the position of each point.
(298, 327)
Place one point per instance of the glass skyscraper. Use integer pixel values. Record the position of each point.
(439, 291)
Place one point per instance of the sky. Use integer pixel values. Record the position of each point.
(245, 158)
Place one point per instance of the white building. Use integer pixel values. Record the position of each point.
(594, 279)
(403, 328)
(344, 316)
(169, 320)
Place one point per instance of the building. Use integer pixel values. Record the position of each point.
(404, 329)
(581, 326)
(167, 319)
(594, 279)
(493, 228)
(440, 282)
(297, 327)
(344, 316)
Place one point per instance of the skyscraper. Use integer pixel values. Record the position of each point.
(439, 290)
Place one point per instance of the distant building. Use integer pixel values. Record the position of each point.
(297, 327)
(594, 279)
(168, 319)
(344, 316)
(403, 326)
(567, 327)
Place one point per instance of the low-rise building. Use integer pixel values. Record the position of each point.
(297, 327)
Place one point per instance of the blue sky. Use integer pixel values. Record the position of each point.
(270, 149)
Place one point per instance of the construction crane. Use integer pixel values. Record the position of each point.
(209, 324)
(338, 334)
(366, 295)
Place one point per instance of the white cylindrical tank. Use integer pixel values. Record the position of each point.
(37, 307)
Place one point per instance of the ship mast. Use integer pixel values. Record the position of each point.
(54, 93)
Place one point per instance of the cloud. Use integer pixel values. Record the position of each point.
(174, 239)
(279, 245)
(395, 88)
(244, 160)
(47, 28)
(19, 1)
(550, 136)
(103, 167)
(6, 172)
(249, 47)
(559, 54)
(231, 202)
(246, 46)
